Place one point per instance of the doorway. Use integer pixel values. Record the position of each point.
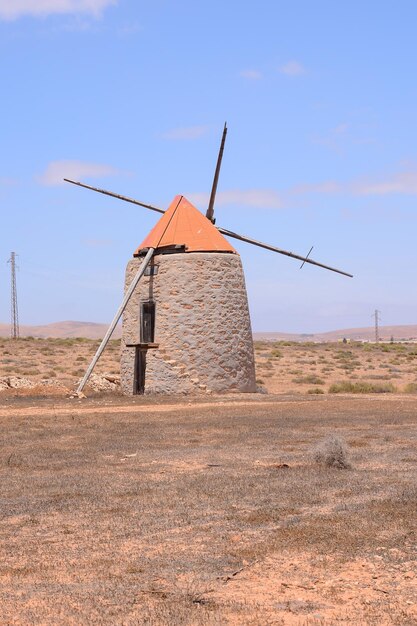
(147, 336)
(139, 371)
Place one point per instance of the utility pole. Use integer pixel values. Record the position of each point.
(14, 316)
(376, 316)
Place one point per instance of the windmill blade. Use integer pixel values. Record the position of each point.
(254, 242)
(115, 195)
(210, 210)
(229, 233)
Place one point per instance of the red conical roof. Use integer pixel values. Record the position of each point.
(183, 225)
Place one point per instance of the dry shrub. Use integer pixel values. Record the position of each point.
(311, 379)
(407, 494)
(361, 387)
(332, 452)
(277, 354)
(410, 388)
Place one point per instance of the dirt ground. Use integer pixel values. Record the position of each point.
(212, 510)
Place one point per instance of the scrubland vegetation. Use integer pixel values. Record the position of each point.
(290, 367)
(281, 367)
(224, 511)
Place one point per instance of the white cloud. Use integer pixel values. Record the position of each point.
(404, 182)
(13, 9)
(251, 74)
(56, 171)
(329, 186)
(98, 243)
(190, 132)
(259, 198)
(341, 129)
(401, 182)
(292, 68)
(5, 181)
(334, 138)
(130, 29)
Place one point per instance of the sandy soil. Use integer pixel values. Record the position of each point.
(208, 511)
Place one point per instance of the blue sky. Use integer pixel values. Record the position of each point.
(320, 99)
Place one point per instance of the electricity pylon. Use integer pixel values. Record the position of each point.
(376, 316)
(14, 313)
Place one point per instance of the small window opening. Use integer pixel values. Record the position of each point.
(151, 270)
(147, 322)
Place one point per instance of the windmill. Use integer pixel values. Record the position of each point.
(186, 325)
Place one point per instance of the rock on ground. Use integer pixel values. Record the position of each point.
(103, 382)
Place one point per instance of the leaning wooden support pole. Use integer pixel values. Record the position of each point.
(116, 318)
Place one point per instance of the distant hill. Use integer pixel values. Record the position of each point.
(91, 330)
(406, 332)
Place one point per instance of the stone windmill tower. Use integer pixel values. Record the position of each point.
(186, 325)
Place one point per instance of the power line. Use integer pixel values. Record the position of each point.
(14, 313)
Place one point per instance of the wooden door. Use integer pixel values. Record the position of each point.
(139, 371)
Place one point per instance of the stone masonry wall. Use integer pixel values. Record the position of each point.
(202, 325)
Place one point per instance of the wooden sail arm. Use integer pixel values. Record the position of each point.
(224, 231)
(260, 244)
(210, 210)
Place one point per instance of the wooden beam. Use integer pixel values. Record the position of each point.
(116, 318)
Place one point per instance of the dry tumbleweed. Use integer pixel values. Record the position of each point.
(332, 452)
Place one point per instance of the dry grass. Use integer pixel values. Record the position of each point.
(137, 512)
(308, 380)
(411, 388)
(361, 387)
